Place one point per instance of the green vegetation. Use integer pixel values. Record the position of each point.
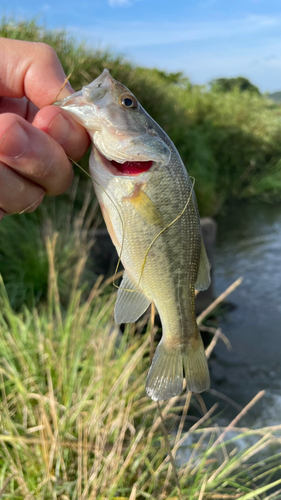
(75, 422)
(23, 254)
(229, 141)
(228, 84)
(276, 96)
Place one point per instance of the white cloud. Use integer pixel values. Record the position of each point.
(140, 34)
(118, 3)
(220, 53)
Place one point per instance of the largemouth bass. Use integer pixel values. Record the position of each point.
(150, 210)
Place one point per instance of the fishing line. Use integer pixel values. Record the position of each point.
(123, 231)
(121, 220)
(32, 204)
(163, 230)
(112, 201)
(123, 228)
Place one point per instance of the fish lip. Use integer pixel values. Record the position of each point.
(108, 165)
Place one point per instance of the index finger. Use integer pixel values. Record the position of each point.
(32, 70)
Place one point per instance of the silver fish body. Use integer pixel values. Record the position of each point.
(153, 220)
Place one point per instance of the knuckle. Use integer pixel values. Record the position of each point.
(18, 194)
(67, 179)
(56, 175)
(47, 160)
(47, 51)
(64, 178)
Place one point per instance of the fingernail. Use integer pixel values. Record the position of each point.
(14, 142)
(59, 128)
(2, 214)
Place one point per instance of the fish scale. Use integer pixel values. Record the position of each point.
(138, 206)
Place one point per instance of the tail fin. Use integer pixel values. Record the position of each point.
(165, 377)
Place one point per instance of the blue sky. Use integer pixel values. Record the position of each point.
(205, 39)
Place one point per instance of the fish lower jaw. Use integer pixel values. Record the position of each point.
(126, 168)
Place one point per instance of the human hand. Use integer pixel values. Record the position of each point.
(34, 145)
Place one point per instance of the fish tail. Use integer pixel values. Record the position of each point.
(165, 377)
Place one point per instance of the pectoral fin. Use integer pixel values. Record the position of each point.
(145, 207)
(203, 278)
(129, 305)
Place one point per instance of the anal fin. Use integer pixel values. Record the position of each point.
(129, 305)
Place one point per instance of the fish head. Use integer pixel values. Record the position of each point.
(119, 127)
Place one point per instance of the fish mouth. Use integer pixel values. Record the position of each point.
(132, 167)
(128, 168)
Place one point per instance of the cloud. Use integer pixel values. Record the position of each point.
(140, 34)
(119, 3)
(203, 50)
(207, 3)
(270, 58)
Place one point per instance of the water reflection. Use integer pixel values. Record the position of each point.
(249, 245)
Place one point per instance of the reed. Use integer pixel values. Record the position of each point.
(75, 422)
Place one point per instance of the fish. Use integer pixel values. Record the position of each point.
(150, 210)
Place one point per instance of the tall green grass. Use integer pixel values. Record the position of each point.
(74, 419)
(229, 141)
(75, 422)
(23, 253)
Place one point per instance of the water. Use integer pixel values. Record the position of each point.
(249, 245)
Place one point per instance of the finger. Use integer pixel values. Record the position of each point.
(21, 107)
(17, 194)
(34, 155)
(33, 70)
(64, 129)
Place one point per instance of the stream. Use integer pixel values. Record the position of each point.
(249, 245)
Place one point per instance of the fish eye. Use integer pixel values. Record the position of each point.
(128, 101)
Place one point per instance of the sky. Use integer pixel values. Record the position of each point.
(205, 39)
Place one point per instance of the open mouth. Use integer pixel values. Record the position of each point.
(132, 167)
(126, 168)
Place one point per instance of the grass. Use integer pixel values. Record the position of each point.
(74, 419)
(230, 142)
(23, 253)
(75, 422)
